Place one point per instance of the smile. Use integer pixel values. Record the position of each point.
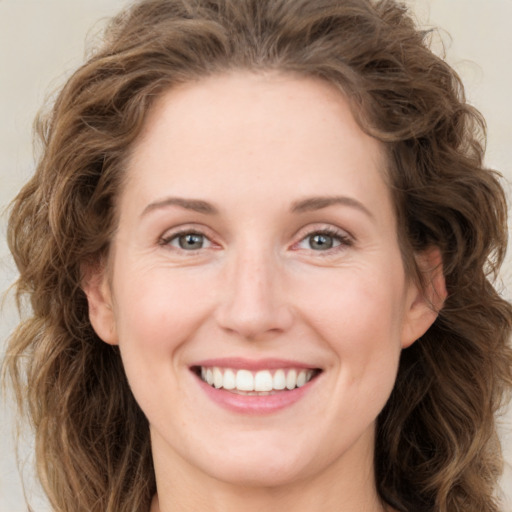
(244, 381)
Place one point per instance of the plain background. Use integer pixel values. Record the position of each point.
(42, 41)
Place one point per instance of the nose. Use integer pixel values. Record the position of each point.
(253, 301)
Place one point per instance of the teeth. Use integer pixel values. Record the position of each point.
(291, 379)
(279, 381)
(217, 378)
(301, 379)
(229, 380)
(261, 381)
(244, 380)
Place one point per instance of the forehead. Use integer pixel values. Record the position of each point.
(252, 100)
(251, 130)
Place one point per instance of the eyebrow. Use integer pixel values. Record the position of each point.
(301, 206)
(196, 205)
(317, 203)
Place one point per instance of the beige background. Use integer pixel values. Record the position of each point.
(41, 41)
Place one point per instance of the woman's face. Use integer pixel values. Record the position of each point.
(257, 249)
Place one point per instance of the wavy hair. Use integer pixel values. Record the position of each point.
(436, 446)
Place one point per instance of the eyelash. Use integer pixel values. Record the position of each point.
(344, 240)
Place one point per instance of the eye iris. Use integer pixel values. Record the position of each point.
(191, 241)
(321, 242)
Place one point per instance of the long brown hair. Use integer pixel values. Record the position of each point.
(436, 448)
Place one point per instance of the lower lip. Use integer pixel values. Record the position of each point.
(256, 404)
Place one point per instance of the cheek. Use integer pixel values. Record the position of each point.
(355, 303)
(155, 318)
(157, 313)
(360, 321)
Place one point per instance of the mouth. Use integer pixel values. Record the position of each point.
(255, 383)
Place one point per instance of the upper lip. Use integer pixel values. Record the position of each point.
(240, 363)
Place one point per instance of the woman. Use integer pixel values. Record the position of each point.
(259, 248)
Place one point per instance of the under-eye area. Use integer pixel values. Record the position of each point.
(260, 382)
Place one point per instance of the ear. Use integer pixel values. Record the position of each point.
(424, 302)
(99, 298)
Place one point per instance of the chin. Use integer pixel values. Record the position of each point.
(270, 461)
(259, 474)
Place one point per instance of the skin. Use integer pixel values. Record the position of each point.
(253, 146)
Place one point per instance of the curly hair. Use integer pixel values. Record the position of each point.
(436, 446)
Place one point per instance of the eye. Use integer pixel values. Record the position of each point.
(187, 241)
(324, 240)
(321, 241)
